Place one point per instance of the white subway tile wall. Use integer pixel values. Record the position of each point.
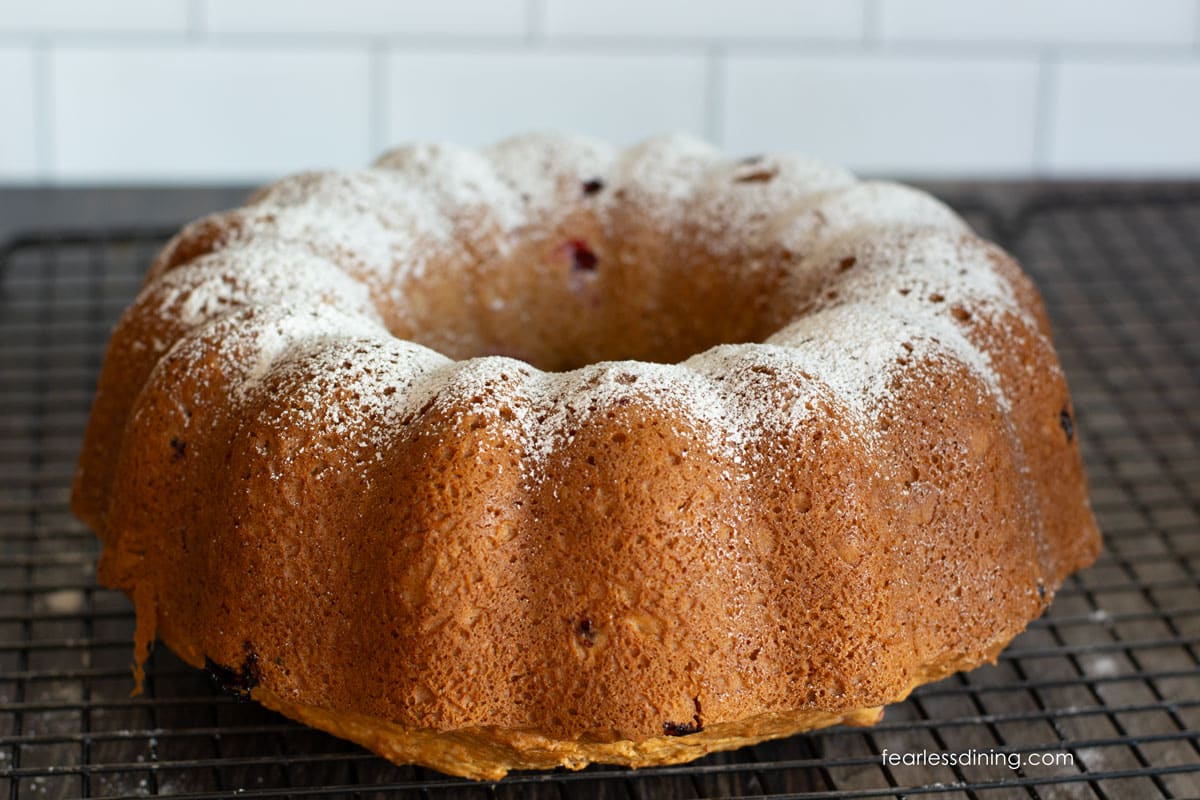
(1110, 117)
(193, 112)
(18, 132)
(934, 116)
(712, 20)
(93, 16)
(479, 97)
(162, 91)
(367, 17)
(1040, 22)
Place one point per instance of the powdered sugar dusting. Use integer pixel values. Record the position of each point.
(269, 336)
(736, 205)
(460, 179)
(658, 176)
(545, 170)
(571, 399)
(267, 272)
(848, 210)
(889, 265)
(361, 390)
(375, 223)
(890, 301)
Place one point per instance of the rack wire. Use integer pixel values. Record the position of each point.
(1109, 679)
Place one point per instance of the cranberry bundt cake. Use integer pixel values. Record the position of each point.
(550, 453)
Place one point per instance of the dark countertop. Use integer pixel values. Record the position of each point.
(24, 210)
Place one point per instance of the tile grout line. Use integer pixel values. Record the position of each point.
(1045, 100)
(627, 46)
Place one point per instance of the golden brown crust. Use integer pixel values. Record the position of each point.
(489, 753)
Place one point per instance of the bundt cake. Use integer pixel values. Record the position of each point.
(550, 453)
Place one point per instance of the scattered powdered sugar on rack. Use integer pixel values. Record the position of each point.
(893, 265)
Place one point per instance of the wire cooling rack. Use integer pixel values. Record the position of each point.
(1105, 687)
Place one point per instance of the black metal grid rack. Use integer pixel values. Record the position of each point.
(1110, 676)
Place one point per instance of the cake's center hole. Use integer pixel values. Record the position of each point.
(580, 294)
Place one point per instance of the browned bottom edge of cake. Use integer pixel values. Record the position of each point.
(490, 753)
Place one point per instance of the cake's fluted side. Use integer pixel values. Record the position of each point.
(478, 565)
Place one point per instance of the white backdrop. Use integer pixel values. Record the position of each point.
(228, 90)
